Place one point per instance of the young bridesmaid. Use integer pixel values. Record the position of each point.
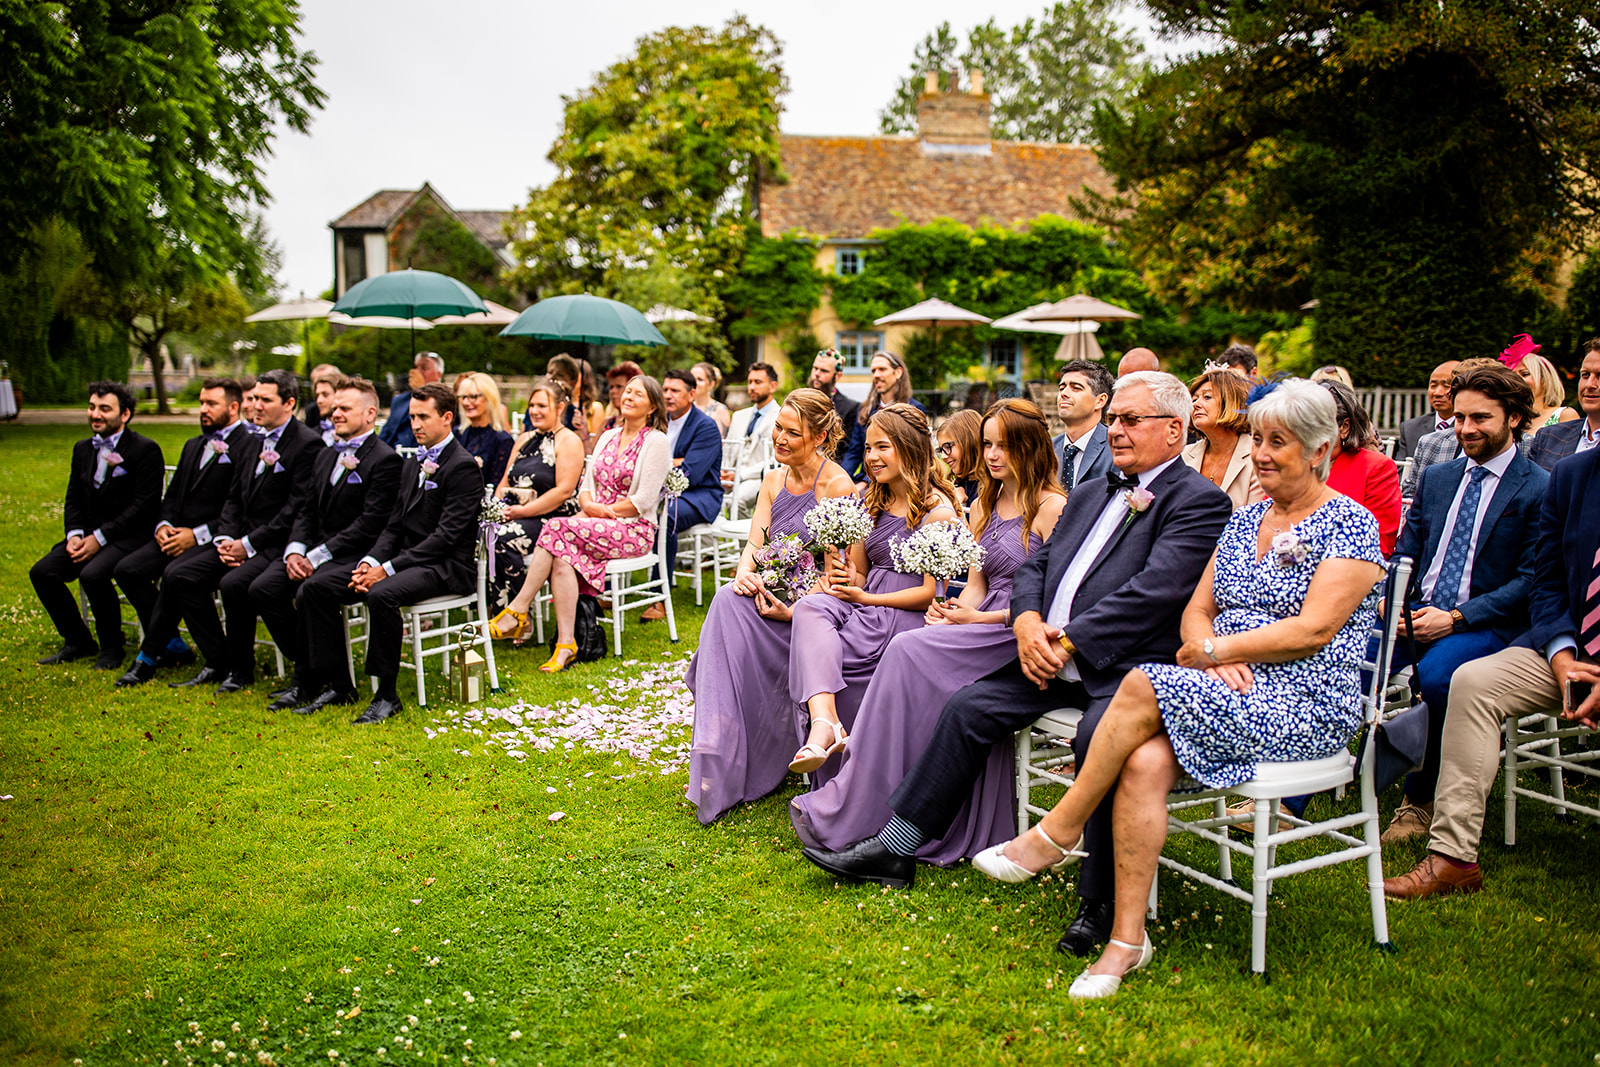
(1018, 503)
(840, 634)
(743, 720)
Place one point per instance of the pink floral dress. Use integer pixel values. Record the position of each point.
(588, 543)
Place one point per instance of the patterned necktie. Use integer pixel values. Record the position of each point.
(1589, 634)
(1069, 464)
(1447, 590)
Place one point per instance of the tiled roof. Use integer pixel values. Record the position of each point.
(376, 212)
(488, 225)
(849, 186)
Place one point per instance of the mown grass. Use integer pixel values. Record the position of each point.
(174, 866)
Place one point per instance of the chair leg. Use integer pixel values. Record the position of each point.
(1224, 853)
(616, 617)
(1558, 785)
(486, 640)
(672, 619)
(1024, 747)
(416, 656)
(1261, 884)
(1511, 780)
(1152, 906)
(1373, 832)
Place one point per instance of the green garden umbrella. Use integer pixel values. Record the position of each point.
(585, 319)
(408, 294)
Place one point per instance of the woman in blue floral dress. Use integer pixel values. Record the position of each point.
(1269, 670)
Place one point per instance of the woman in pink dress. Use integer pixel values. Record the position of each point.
(618, 497)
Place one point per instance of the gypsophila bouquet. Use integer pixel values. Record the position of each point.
(493, 512)
(838, 522)
(676, 484)
(785, 567)
(945, 550)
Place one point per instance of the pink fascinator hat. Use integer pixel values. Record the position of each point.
(1518, 350)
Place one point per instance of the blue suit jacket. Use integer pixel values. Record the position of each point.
(1127, 610)
(396, 432)
(1555, 443)
(1502, 563)
(1094, 462)
(700, 448)
(1569, 536)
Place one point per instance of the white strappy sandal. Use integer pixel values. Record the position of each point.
(994, 862)
(811, 756)
(1099, 986)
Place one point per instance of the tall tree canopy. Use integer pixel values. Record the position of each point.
(1415, 166)
(1044, 77)
(657, 164)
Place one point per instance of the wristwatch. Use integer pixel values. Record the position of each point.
(1458, 621)
(1210, 649)
(1068, 649)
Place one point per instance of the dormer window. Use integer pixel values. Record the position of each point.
(848, 261)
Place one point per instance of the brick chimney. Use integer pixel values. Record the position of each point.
(956, 120)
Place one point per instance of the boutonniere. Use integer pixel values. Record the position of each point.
(1287, 549)
(429, 467)
(113, 459)
(220, 447)
(350, 461)
(1139, 500)
(269, 458)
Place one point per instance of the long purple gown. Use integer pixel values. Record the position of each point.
(743, 719)
(919, 673)
(837, 646)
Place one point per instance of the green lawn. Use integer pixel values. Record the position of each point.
(188, 879)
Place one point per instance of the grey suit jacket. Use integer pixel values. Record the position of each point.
(1096, 458)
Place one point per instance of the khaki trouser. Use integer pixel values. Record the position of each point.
(1483, 694)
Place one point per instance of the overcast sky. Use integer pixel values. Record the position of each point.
(467, 95)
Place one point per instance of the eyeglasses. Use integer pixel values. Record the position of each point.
(945, 448)
(469, 396)
(1130, 421)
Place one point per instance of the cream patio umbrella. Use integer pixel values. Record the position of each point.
(931, 313)
(1081, 308)
(303, 308)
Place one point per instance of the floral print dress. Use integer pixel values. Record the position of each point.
(589, 543)
(533, 473)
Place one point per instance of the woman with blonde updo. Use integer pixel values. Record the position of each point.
(743, 719)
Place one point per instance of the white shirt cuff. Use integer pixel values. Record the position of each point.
(249, 551)
(370, 562)
(294, 548)
(1560, 644)
(388, 568)
(318, 556)
(202, 534)
(74, 533)
(162, 523)
(100, 535)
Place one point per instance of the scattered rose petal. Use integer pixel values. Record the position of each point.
(557, 816)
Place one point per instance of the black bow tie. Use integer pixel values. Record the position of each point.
(1116, 481)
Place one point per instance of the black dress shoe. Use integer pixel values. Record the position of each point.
(207, 676)
(68, 653)
(109, 660)
(328, 698)
(276, 693)
(177, 659)
(140, 672)
(381, 708)
(292, 697)
(1092, 927)
(866, 861)
(233, 683)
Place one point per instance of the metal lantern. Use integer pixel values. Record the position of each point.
(468, 672)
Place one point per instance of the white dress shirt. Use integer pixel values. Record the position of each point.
(675, 430)
(1588, 437)
(1077, 460)
(1497, 469)
(102, 471)
(1114, 514)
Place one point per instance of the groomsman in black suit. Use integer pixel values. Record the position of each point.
(1095, 602)
(352, 492)
(250, 534)
(208, 467)
(425, 551)
(113, 500)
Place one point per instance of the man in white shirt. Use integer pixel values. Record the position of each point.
(749, 441)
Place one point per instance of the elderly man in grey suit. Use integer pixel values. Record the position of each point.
(1082, 452)
(1557, 442)
(1442, 416)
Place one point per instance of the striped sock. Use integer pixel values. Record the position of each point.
(900, 837)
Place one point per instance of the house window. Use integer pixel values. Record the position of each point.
(355, 259)
(847, 261)
(1004, 353)
(856, 348)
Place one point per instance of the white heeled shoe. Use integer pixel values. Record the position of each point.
(1099, 986)
(812, 756)
(994, 862)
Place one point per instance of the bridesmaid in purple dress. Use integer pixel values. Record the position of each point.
(743, 719)
(840, 633)
(1018, 503)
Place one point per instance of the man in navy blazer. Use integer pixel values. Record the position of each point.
(1095, 602)
(1085, 390)
(696, 451)
(1555, 443)
(112, 503)
(1528, 678)
(396, 433)
(1471, 532)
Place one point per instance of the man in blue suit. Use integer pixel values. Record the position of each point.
(696, 451)
(1471, 531)
(396, 433)
(1528, 678)
(1082, 452)
(1095, 602)
(1557, 442)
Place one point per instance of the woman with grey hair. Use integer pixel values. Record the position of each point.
(1269, 670)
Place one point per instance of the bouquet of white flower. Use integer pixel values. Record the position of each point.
(945, 550)
(676, 485)
(838, 522)
(785, 567)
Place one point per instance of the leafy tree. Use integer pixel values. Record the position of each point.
(238, 345)
(1411, 165)
(1043, 77)
(777, 288)
(663, 282)
(52, 350)
(659, 157)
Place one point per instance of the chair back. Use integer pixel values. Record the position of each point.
(1395, 584)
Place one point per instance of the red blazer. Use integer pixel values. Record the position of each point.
(1371, 479)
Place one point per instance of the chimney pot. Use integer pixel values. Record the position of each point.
(930, 81)
(975, 81)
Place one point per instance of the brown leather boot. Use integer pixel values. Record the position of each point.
(1434, 876)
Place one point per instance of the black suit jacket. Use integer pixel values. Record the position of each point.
(1555, 443)
(263, 506)
(1126, 611)
(348, 517)
(1569, 537)
(126, 505)
(1502, 561)
(197, 497)
(436, 527)
(1412, 431)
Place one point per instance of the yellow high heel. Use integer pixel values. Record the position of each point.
(518, 617)
(553, 665)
